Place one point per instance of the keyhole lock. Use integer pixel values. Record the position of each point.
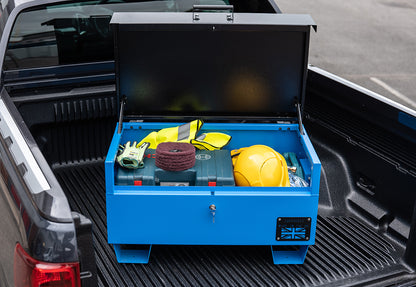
(212, 209)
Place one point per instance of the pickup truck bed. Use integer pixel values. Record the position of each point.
(365, 206)
(347, 249)
(365, 210)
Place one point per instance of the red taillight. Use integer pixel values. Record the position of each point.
(29, 272)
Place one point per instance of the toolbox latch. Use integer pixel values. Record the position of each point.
(196, 16)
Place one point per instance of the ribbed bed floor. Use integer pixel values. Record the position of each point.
(347, 251)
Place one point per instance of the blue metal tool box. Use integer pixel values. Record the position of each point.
(245, 75)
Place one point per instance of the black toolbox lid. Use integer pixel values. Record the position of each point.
(218, 65)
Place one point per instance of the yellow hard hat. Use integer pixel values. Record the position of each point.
(259, 165)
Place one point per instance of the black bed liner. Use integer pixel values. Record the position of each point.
(348, 251)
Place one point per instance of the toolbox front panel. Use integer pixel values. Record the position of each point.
(185, 218)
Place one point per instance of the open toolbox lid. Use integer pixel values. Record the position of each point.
(211, 65)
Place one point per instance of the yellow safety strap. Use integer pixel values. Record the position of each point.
(182, 133)
(211, 141)
(187, 133)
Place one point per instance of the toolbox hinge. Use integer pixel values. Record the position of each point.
(209, 8)
(298, 107)
(120, 120)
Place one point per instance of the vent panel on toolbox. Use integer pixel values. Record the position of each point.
(347, 250)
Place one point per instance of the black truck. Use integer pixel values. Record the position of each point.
(58, 112)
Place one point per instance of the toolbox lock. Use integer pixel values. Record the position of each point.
(213, 209)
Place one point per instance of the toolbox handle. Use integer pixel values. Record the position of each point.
(202, 8)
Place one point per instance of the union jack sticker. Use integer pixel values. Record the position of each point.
(293, 228)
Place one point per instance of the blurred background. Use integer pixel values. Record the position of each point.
(371, 43)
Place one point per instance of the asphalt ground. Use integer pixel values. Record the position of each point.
(371, 43)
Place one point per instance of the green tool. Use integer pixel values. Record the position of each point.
(293, 164)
